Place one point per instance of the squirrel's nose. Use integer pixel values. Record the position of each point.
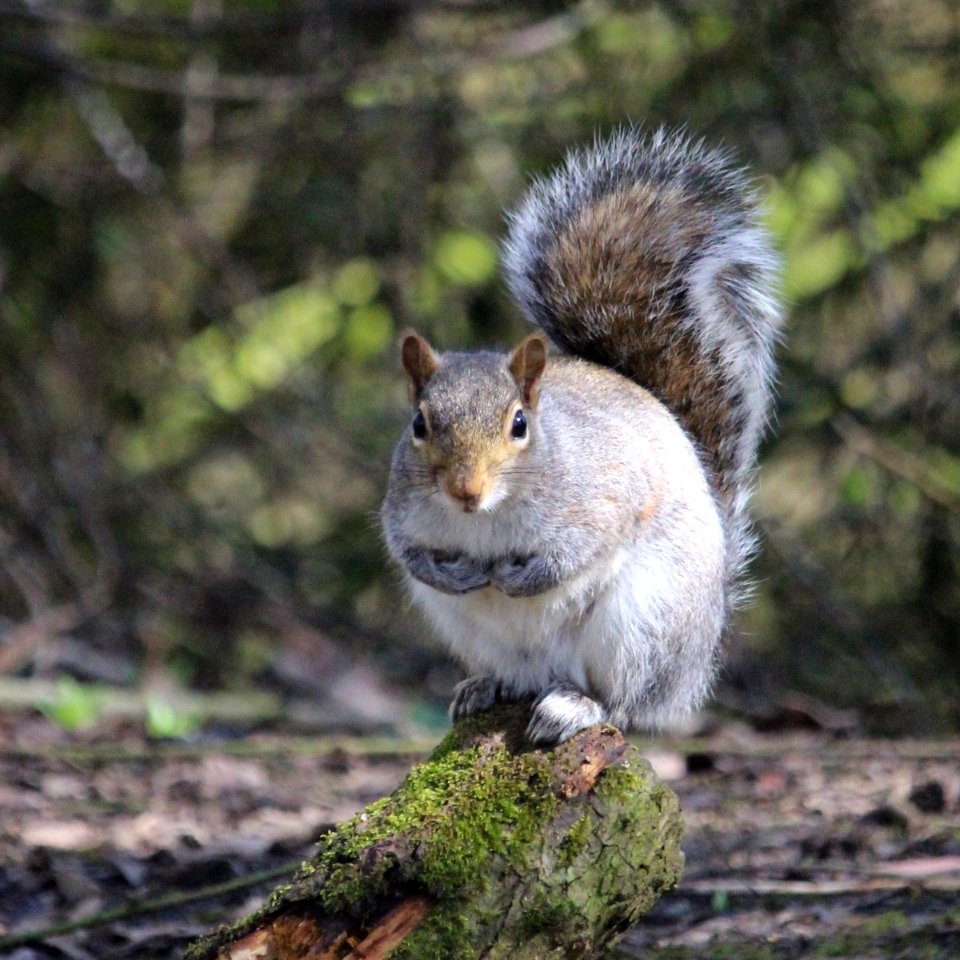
(466, 488)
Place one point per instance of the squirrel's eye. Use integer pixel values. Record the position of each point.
(420, 426)
(518, 429)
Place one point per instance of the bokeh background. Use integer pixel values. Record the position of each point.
(216, 215)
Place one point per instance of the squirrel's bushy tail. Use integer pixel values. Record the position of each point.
(645, 254)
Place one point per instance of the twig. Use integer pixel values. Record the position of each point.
(894, 459)
(147, 906)
(779, 746)
(22, 639)
(814, 888)
(164, 750)
(239, 22)
(525, 42)
(840, 751)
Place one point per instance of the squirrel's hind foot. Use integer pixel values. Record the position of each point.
(562, 711)
(473, 695)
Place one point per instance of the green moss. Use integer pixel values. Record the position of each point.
(459, 809)
(832, 948)
(444, 935)
(619, 785)
(575, 841)
(714, 951)
(890, 933)
(890, 921)
(549, 916)
(641, 803)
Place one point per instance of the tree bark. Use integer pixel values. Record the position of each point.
(490, 849)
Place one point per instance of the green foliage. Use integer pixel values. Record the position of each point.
(164, 719)
(465, 257)
(76, 706)
(200, 288)
(720, 901)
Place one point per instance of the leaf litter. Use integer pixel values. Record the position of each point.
(799, 844)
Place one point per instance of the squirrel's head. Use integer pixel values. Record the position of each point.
(473, 414)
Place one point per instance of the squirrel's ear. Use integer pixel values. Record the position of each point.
(419, 361)
(526, 366)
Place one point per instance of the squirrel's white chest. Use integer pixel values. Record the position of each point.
(527, 642)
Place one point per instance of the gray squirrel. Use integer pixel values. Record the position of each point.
(575, 526)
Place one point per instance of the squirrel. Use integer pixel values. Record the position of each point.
(575, 526)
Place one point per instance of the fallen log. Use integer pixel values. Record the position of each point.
(490, 849)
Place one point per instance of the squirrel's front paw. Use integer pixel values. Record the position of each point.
(473, 695)
(522, 576)
(561, 712)
(463, 573)
(449, 573)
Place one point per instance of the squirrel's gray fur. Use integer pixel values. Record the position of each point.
(592, 562)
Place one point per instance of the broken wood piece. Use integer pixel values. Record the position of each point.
(491, 848)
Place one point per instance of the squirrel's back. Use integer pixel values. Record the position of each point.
(645, 254)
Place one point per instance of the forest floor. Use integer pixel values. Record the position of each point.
(799, 844)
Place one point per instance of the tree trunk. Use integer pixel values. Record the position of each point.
(490, 849)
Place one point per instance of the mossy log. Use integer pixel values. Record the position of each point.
(489, 849)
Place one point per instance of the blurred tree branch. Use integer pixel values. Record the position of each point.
(258, 23)
(898, 461)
